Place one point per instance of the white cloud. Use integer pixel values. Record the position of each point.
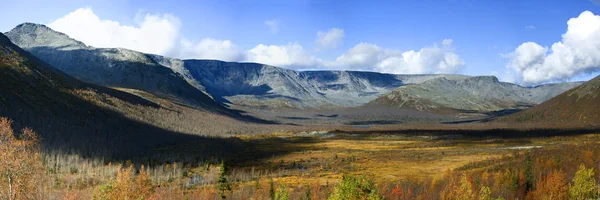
(291, 55)
(160, 34)
(365, 56)
(154, 33)
(577, 53)
(209, 48)
(273, 25)
(527, 54)
(447, 42)
(530, 27)
(331, 39)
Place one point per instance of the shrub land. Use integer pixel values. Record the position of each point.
(314, 166)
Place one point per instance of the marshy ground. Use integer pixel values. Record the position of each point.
(325, 156)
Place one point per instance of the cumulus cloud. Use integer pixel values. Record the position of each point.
(291, 55)
(209, 48)
(331, 39)
(160, 34)
(447, 42)
(365, 56)
(153, 33)
(577, 53)
(273, 25)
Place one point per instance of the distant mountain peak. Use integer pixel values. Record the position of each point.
(31, 25)
(34, 35)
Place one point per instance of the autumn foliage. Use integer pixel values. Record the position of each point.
(127, 186)
(552, 186)
(20, 167)
(558, 172)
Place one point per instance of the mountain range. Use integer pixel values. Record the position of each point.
(481, 93)
(110, 67)
(73, 116)
(203, 82)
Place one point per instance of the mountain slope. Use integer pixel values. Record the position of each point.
(111, 67)
(580, 105)
(482, 93)
(240, 83)
(73, 117)
(36, 95)
(261, 85)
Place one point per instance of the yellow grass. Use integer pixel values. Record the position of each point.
(385, 159)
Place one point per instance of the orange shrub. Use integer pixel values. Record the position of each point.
(553, 186)
(21, 169)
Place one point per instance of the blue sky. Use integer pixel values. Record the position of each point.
(484, 33)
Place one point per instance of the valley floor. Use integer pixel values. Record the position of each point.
(415, 162)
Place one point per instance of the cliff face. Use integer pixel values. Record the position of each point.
(263, 85)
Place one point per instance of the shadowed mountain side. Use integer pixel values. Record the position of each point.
(475, 134)
(36, 95)
(348, 116)
(580, 105)
(64, 112)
